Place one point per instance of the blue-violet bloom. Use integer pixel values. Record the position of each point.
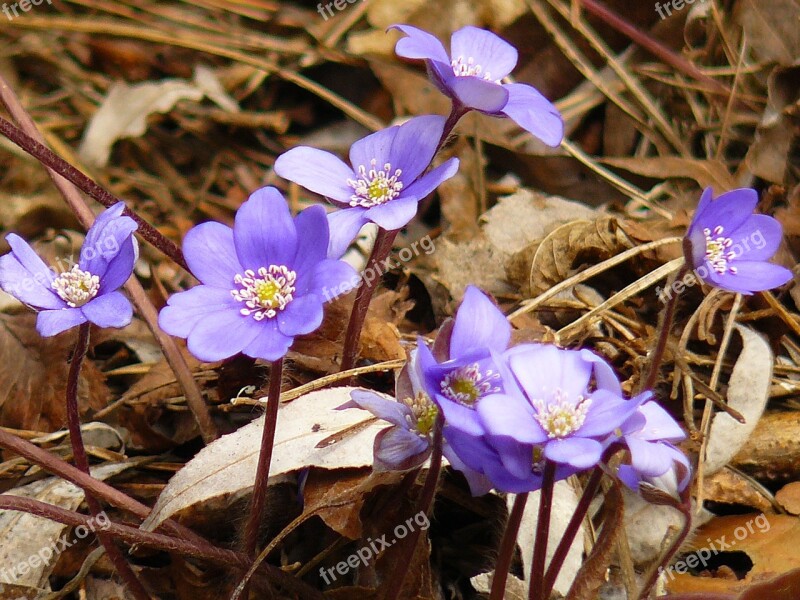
(385, 183)
(263, 282)
(471, 75)
(649, 434)
(728, 246)
(567, 402)
(88, 292)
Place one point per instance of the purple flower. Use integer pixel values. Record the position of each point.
(88, 291)
(566, 402)
(728, 246)
(648, 434)
(465, 371)
(262, 282)
(407, 443)
(385, 182)
(472, 77)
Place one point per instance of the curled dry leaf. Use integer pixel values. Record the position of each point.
(564, 250)
(705, 172)
(748, 392)
(124, 112)
(771, 451)
(228, 465)
(769, 541)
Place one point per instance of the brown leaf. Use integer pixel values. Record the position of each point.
(561, 253)
(705, 172)
(769, 541)
(33, 377)
(789, 497)
(730, 487)
(771, 451)
(771, 29)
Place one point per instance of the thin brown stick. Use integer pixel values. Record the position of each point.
(183, 374)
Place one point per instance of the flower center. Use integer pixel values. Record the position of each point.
(559, 417)
(717, 254)
(265, 293)
(76, 287)
(466, 385)
(468, 68)
(376, 186)
(424, 411)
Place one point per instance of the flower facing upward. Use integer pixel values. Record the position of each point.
(262, 282)
(566, 402)
(471, 75)
(385, 182)
(728, 246)
(86, 292)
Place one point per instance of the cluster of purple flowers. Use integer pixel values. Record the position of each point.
(508, 410)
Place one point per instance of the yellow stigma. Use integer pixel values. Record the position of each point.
(266, 292)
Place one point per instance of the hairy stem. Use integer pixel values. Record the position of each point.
(664, 327)
(82, 462)
(51, 160)
(394, 583)
(507, 545)
(574, 525)
(264, 459)
(685, 507)
(536, 589)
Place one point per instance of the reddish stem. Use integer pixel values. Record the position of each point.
(394, 584)
(82, 462)
(663, 335)
(51, 160)
(507, 546)
(536, 589)
(653, 46)
(264, 459)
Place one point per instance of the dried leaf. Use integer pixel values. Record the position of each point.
(561, 254)
(33, 376)
(593, 571)
(124, 111)
(228, 465)
(748, 392)
(705, 172)
(772, 449)
(770, 29)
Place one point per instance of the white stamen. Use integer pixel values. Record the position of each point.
(468, 68)
(717, 254)
(76, 287)
(264, 295)
(376, 186)
(466, 385)
(424, 413)
(560, 417)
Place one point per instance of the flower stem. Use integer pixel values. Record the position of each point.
(51, 160)
(264, 459)
(381, 249)
(507, 545)
(536, 589)
(82, 462)
(685, 507)
(394, 584)
(574, 525)
(665, 326)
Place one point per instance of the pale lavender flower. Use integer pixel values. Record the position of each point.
(86, 292)
(385, 182)
(471, 75)
(728, 246)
